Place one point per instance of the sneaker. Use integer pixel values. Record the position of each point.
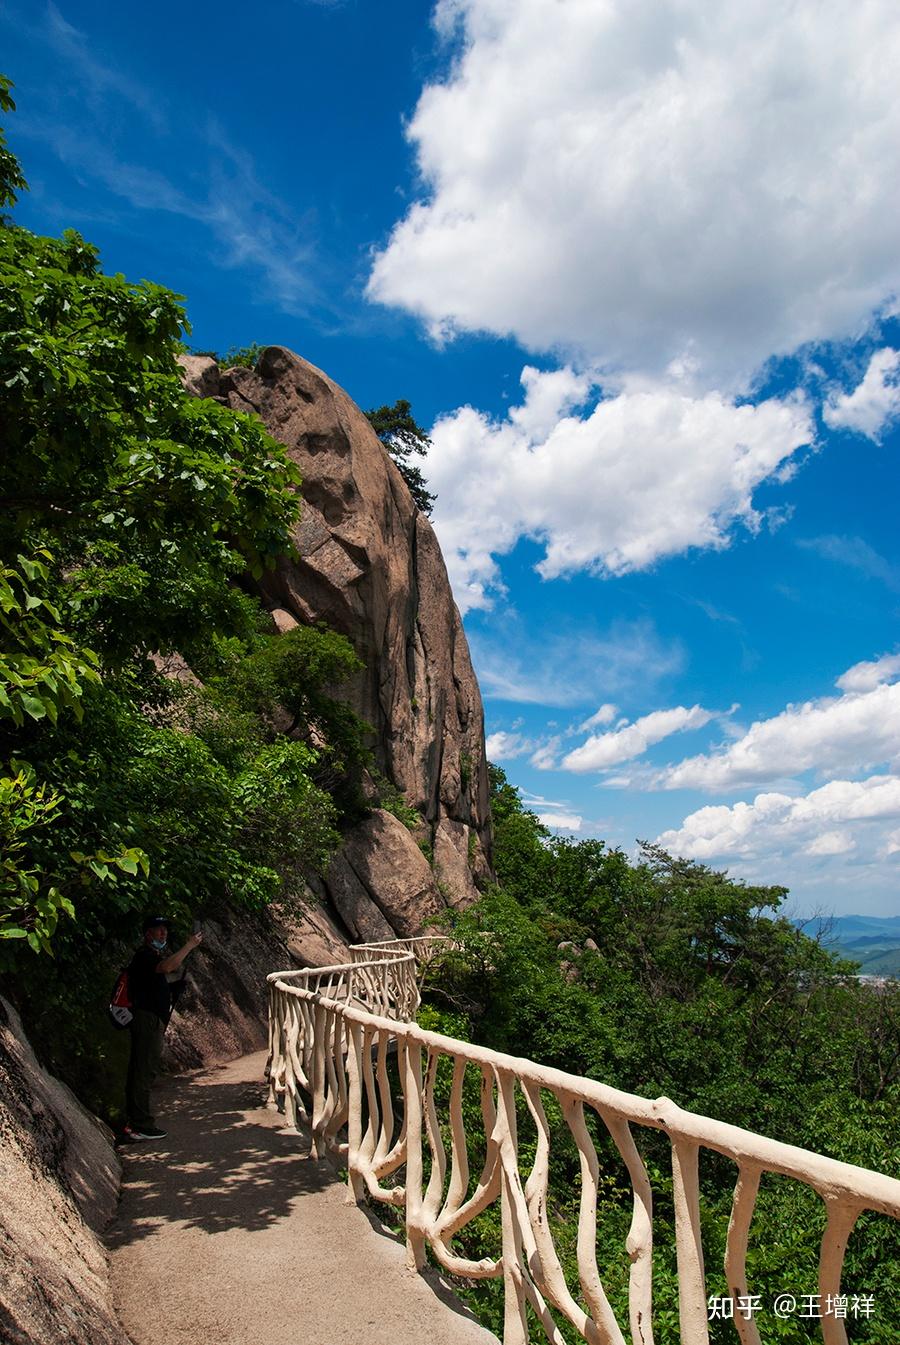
(148, 1133)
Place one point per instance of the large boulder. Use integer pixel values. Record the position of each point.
(59, 1175)
(368, 564)
(393, 871)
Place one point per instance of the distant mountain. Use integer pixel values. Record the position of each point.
(872, 941)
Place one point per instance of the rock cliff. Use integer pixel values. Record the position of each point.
(369, 566)
(60, 1178)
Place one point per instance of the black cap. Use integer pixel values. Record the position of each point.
(152, 920)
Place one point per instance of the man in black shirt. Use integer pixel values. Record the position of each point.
(151, 1004)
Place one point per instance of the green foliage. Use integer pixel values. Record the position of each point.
(30, 906)
(11, 179)
(133, 522)
(127, 509)
(105, 453)
(29, 909)
(244, 357)
(42, 671)
(286, 684)
(696, 989)
(402, 436)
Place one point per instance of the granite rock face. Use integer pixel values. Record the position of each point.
(369, 565)
(59, 1176)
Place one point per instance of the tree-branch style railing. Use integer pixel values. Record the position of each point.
(425, 948)
(331, 1040)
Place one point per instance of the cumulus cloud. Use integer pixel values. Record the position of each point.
(867, 676)
(605, 715)
(544, 757)
(632, 740)
(638, 477)
(561, 821)
(848, 733)
(501, 746)
(829, 821)
(874, 403)
(684, 188)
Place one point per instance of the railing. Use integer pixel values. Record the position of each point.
(333, 1031)
(425, 948)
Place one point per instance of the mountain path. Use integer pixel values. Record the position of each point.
(226, 1233)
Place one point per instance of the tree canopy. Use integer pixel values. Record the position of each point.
(403, 437)
(664, 977)
(143, 688)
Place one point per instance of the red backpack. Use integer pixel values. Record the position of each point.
(120, 1001)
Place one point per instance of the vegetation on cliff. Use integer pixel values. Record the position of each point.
(404, 438)
(664, 977)
(396, 427)
(160, 744)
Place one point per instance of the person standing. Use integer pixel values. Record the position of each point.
(151, 1005)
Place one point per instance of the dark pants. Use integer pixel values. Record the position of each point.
(143, 1066)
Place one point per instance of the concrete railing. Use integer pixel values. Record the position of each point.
(333, 1031)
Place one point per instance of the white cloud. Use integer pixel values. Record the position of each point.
(848, 733)
(867, 676)
(830, 843)
(502, 746)
(623, 744)
(544, 758)
(662, 187)
(639, 477)
(605, 715)
(561, 821)
(837, 819)
(873, 403)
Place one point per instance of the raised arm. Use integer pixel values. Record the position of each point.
(174, 960)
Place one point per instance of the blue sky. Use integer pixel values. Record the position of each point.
(637, 266)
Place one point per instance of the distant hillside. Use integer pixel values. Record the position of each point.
(872, 941)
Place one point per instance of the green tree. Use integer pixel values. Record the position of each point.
(403, 437)
(661, 976)
(11, 179)
(129, 512)
(160, 744)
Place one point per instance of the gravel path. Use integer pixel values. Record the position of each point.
(226, 1235)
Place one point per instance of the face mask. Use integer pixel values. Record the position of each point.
(158, 944)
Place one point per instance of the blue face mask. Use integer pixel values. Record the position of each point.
(158, 944)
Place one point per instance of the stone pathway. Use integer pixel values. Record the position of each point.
(227, 1235)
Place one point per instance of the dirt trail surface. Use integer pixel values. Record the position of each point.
(227, 1235)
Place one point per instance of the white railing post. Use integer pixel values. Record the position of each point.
(412, 1094)
(841, 1218)
(692, 1311)
(515, 1320)
(356, 1186)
